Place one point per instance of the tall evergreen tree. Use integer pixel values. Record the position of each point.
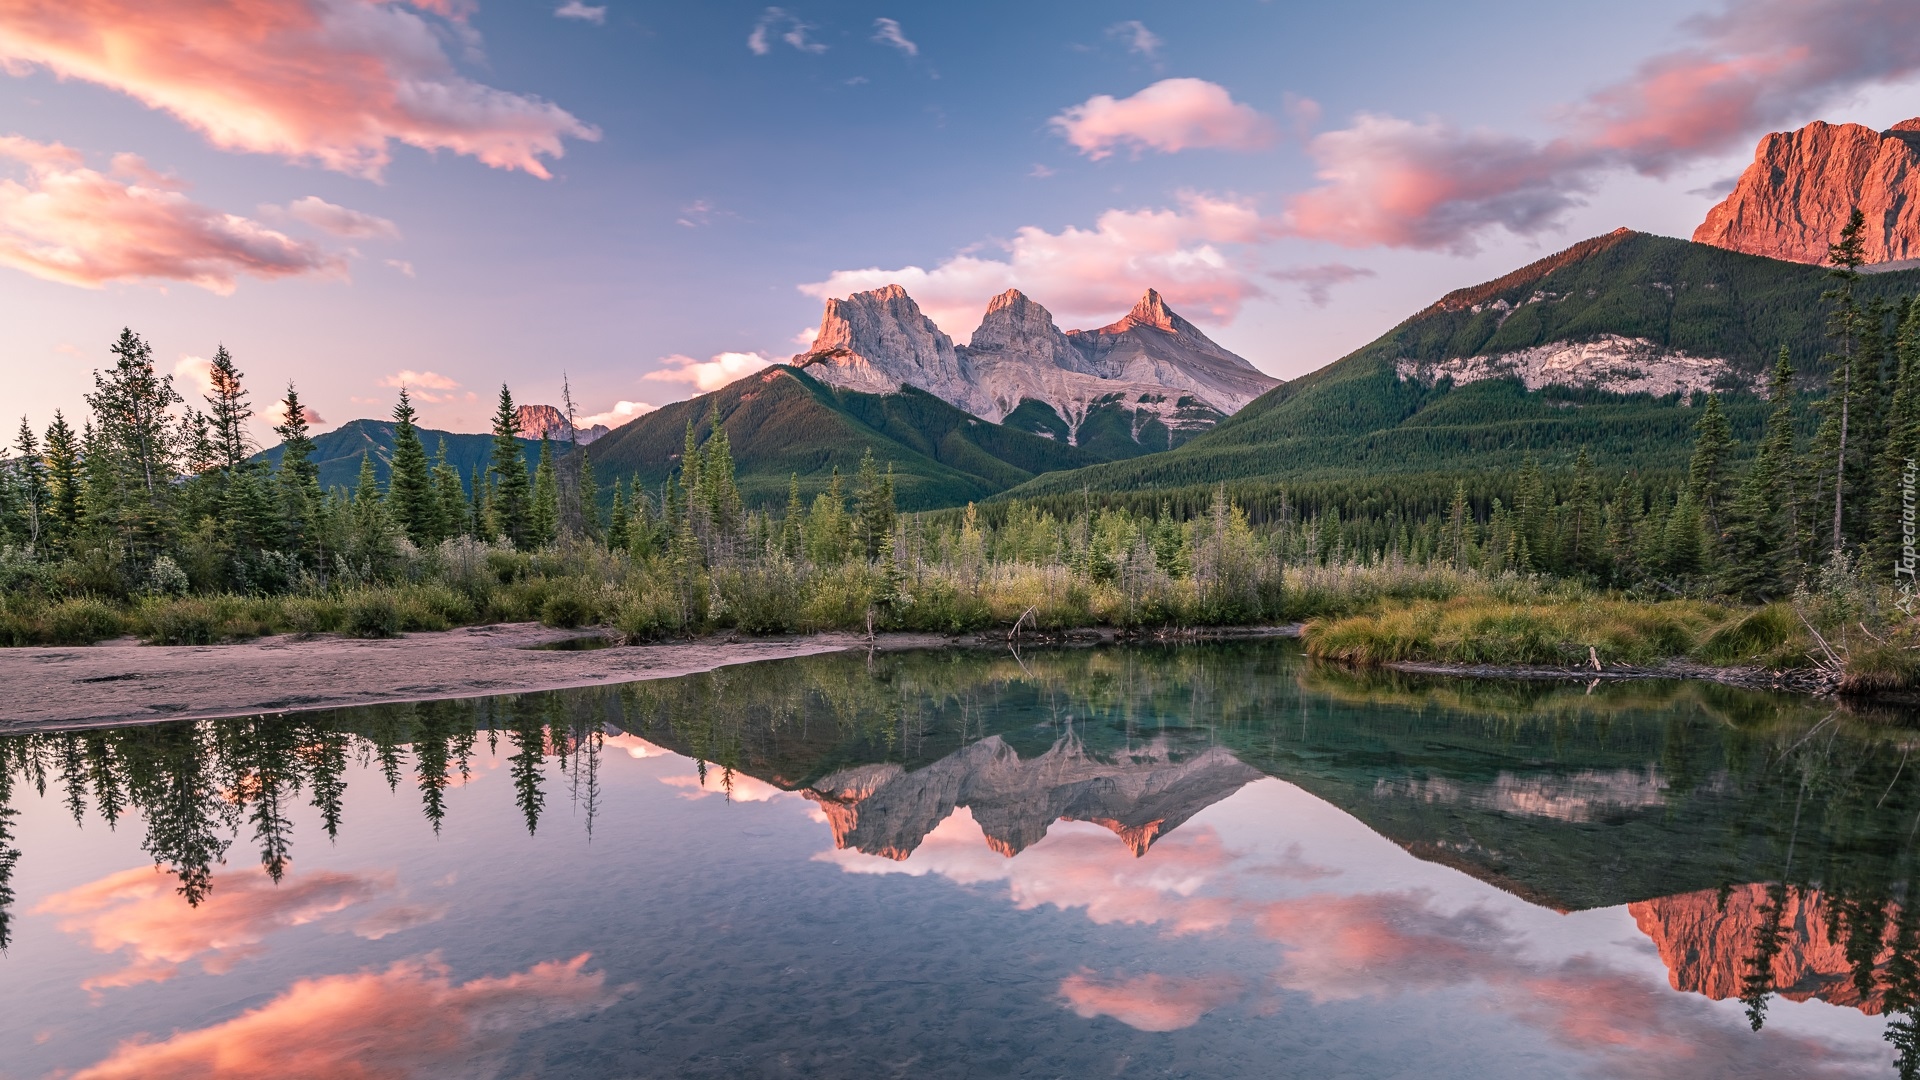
(410, 489)
(545, 518)
(1846, 257)
(511, 498)
(449, 498)
(1756, 544)
(1707, 471)
(228, 410)
(302, 503)
(63, 481)
(132, 462)
(617, 523)
(1900, 443)
(31, 481)
(874, 512)
(1583, 518)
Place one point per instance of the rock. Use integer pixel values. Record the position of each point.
(878, 341)
(545, 421)
(1796, 196)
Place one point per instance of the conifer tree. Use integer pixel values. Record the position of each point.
(31, 483)
(228, 411)
(793, 539)
(63, 481)
(1453, 542)
(545, 517)
(449, 499)
(371, 528)
(511, 498)
(586, 490)
(1707, 471)
(1900, 442)
(301, 500)
(827, 525)
(617, 523)
(132, 459)
(874, 512)
(1623, 516)
(1756, 544)
(410, 486)
(1844, 325)
(1583, 518)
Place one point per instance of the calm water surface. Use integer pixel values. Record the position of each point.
(1210, 861)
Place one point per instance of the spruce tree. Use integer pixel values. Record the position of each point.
(302, 503)
(63, 482)
(449, 498)
(545, 517)
(793, 539)
(1844, 326)
(873, 509)
(31, 483)
(410, 488)
(510, 500)
(228, 411)
(132, 460)
(1899, 444)
(371, 530)
(1707, 471)
(1582, 518)
(1756, 542)
(617, 523)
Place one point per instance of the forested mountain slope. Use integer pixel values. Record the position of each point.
(338, 452)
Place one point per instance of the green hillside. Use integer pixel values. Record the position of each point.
(338, 452)
(782, 421)
(1356, 416)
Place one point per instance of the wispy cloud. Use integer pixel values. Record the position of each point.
(338, 220)
(424, 386)
(789, 28)
(887, 32)
(401, 265)
(1137, 37)
(64, 222)
(574, 9)
(1170, 116)
(701, 212)
(1317, 282)
(329, 81)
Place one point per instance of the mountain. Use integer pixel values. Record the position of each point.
(338, 452)
(1707, 938)
(1802, 186)
(1599, 346)
(537, 421)
(784, 421)
(886, 810)
(1144, 383)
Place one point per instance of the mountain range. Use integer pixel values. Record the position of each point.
(1795, 197)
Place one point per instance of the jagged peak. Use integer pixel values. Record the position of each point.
(1152, 311)
(1010, 298)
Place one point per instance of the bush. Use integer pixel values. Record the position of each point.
(647, 614)
(568, 607)
(193, 621)
(761, 600)
(371, 613)
(81, 621)
(308, 615)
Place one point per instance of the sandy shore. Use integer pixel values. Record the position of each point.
(124, 682)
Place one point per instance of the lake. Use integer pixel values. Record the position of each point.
(1206, 860)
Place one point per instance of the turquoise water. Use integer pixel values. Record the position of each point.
(1208, 861)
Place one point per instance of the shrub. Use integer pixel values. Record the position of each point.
(763, 599)
(308, 615)
(371, 613)
(81, 621)
(650, 613)
(1750, 637)
(568, 607)
(190, 621)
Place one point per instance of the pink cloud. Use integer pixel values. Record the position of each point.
(1149, 1002)
(341, 221)
(418, 380)
(1093, 275)
(1170, 116)
(71, 224)
(1748, 69)
(621, 412)
(411, 1020)
(331, 81)
(736, 786)
(197, 370)
(138, 913)
(1317, 282)
(711, 374)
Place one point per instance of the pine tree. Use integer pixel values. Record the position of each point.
(874, 512)
(1899, 445)
(1844, 325)
(449, 499)
(410, 487)
(793, 538)
(511, 498)
(228, 410)
(1707, 471)
(132, 461)
(302, 504)
(1756, 544)
(1454, 542)
(545, 518)
(1623, 515)
(617, 525)
(370, 545)
(31, 482)
(63, 482)
(827, 525)
(1583, 518)
(586, 493)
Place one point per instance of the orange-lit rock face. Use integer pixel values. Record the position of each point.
(1796, 196)
(1706, 947)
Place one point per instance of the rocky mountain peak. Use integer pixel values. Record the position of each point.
(878, 341)
(1151, 311)
(1795, 197)
(548, 422)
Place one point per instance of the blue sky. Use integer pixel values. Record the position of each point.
(715, 169)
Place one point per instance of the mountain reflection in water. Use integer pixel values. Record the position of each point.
(1202, 859)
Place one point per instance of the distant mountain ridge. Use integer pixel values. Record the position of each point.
(338, 452)
(1145, 382)
(1797, 195)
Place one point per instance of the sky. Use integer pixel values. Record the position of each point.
(645, 201)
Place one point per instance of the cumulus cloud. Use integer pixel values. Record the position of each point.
(887, 32)
(1170, 116)
(68, 223)
(711, 374)
(340, 221)
(1744, 70)
(1317, 282)
(410, 1020)
(335, 82)
(1137, 38)
(1092, 274)
(621, 412)
(790, 29)
(574, 9)
(194, 370)
(418, 380)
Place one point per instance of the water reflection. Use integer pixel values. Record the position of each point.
(1761, 846)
